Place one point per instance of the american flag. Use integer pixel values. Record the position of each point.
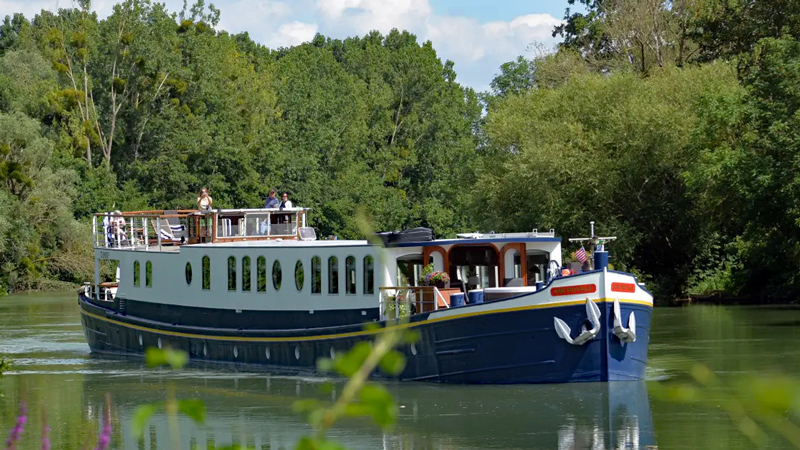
(580, 255)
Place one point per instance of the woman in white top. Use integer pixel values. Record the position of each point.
(285, 202)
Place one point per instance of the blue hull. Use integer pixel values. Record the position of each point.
(519, 346)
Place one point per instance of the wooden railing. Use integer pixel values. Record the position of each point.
(404, 301)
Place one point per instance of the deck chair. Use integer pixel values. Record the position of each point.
(165, 232)
(177, 230)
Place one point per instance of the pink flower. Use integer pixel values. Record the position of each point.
(16, 432)
(105, 436)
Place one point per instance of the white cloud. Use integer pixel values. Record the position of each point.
(293, 33)
(257, 17)
(362, 16)
(477, 48)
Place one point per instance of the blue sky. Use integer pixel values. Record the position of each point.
(477, 35)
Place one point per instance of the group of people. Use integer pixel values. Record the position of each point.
(273, 202)
(205, 201)
(114, 226)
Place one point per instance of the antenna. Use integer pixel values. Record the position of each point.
(592, 237)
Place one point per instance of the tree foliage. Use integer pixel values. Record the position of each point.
(671, 124)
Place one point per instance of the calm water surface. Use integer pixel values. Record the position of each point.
(56, 375)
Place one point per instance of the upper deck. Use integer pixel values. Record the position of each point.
(167, 230)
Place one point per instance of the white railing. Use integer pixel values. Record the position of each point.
(141, 232)
(259, 223)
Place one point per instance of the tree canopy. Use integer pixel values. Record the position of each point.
(670, 124)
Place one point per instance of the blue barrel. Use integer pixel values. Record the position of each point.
(456, 300)
(600, 260)
(539, 285)
(475, 296)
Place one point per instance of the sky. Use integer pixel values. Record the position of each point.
(477, 35)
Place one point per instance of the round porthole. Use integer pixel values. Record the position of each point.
(140, 340)
(266, 352)
(333, 353)
(235, 352)
(188, 273)
(297, 352)
(159, 342)
(413, 349)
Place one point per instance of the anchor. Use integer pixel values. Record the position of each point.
(593, 314)
(624, 334)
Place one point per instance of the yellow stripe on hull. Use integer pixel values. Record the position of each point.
(354, 333)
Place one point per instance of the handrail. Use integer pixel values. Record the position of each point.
(401, 301)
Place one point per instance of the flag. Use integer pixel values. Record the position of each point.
(580, 255)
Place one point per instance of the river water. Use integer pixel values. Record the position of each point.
(64, 385)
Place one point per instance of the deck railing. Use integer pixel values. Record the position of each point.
(143, 230)
(398, 302)
(146, 230)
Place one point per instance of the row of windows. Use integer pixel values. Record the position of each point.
(299, 274)
(148, 274)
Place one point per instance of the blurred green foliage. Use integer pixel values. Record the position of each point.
(755, 403)
(359, 397)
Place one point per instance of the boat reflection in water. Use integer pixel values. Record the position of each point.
(255, 410)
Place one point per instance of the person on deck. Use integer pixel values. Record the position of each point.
(204, 201)
(272, 200)
(285, 202)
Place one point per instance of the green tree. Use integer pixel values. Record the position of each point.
(614, 149)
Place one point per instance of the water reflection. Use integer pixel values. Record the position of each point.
(54, 371)
(256, 410)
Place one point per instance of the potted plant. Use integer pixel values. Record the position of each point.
(437, 278)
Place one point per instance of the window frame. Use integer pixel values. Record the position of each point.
(206, 273)
(247, 273)
(333, 288)
(148, 274)
(350, 260)
(261, 266)
(276, 284)
(232, 274)
(316, 275)
(368, 275)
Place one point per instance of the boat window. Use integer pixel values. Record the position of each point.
(136, 273)
(369, 275)
(333, 275)
(409, 270)
(537, 266)
(350, 273)
(261, 273)
(148, 274)
(246, 273)
(316, 275)
(206, 273)
(188, 273)
(231, 273)
(477, 265)
(276, 275)
(299, 275)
